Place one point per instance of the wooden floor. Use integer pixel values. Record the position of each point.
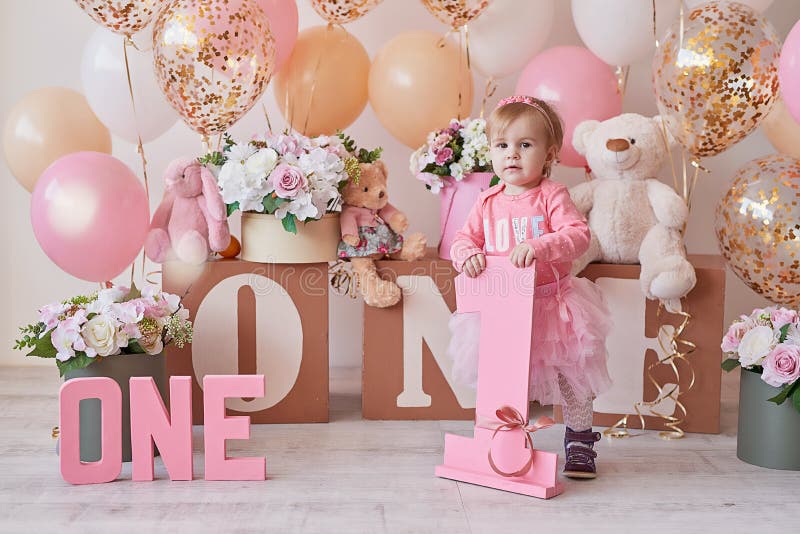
(364, 476)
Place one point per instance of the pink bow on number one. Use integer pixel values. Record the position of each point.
(509, 418)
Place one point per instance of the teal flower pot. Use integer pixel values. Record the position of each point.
(769, 435)
(120, 368)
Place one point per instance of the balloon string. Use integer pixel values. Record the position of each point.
(655, 33)
(266, 117)
(139, 144)
(328, 31)
(488, 93)
(622, 79)
(469, 68)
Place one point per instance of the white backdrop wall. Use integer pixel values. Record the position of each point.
(41, 43)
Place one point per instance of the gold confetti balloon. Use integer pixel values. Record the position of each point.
(716, 80)
(213, 60)
(455, 13)
(121, 16)
(343, 11)
(758, 227)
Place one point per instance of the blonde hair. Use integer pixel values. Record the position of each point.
(516, 107)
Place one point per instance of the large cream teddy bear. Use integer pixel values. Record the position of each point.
(633, 217)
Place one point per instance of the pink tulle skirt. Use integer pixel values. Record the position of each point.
(569, 337)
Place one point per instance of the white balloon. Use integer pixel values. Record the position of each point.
(758, 5)
(508, 34)
(105, 85)
(620, 32)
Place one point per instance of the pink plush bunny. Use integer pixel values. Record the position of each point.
(191, 218)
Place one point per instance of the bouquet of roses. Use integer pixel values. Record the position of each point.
(116, 320)
(459, 149)
(768, 342)
(294, 177)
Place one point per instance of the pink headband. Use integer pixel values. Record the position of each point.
(522, 99)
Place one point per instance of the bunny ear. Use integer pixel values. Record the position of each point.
(213, 198)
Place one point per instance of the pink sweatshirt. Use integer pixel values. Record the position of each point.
(544, 217)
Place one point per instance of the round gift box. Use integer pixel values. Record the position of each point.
(264, 240)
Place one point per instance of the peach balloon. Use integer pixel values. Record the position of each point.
(323, 86)
(782, 131)
(417, 83)
(46, 124)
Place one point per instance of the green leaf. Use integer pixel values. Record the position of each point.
(781, 397)
(271, 203)
(289, 223)
(494, 181)
(80, 361)
(730, 364)
(134, 293)
(784, 333)
(43, 347)
(232, 207)
(134, 348)
(796, 399)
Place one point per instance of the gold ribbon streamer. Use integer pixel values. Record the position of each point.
(151, 273)
(676, 349)
(508, 419)
(343, 280)
(55, 432)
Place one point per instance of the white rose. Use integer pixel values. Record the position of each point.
(755, 346)
(262, 162)
(101, 336)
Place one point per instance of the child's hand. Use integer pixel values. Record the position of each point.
(475, 265)
(522, 255)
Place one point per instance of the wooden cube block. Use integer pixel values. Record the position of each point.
(406, 369)
(633, 346)
(254, 318)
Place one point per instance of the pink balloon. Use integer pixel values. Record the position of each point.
(789, 72)
(580, 86)
(282, 16)
(90, 215)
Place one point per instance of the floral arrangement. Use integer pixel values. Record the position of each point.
(116, 320)
(294, 177)
(768, 342)
(461, 148)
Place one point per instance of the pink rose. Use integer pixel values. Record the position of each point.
(288, 180)
(782, 365)
(444, 155)
(288, 144)
(441, 141)
(781, 317)
(730, 343)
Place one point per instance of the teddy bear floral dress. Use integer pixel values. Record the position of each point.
(374, 235)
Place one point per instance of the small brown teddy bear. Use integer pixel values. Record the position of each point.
(371, 230)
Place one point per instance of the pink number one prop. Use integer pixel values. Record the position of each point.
(504, 296)
(110, 464)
